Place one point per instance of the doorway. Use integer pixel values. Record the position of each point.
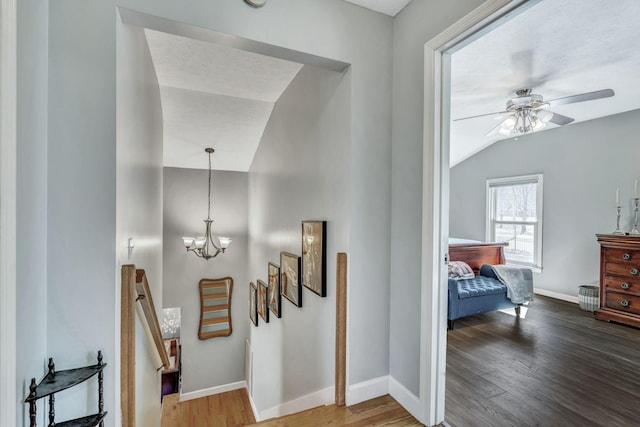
(435, 226)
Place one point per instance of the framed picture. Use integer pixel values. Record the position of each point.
(274, 289)
(314, 256)
(263, 307)
(253, 303)
(290, 278)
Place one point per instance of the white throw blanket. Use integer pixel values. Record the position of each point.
(519, 282)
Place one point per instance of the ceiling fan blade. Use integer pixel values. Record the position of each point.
(480, 115)
(559, 119)
(495, 129)
(598, 94)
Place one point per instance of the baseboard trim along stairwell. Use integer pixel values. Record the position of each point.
(319, 398)
(367, 390)
(212, 390)
(408, 400)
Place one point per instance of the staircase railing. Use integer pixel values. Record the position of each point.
(135, 288)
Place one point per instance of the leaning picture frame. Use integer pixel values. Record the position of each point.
(314, 256)
(290, 287)
(253, 303)
(275, 299)
(263, 300)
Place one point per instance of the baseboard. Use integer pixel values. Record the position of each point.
(212, 390)
(367, 390)
(556, 295)
(408, 400)
(313, 400)
(256, 415)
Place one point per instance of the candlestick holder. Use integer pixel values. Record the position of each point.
(636, 204)
(617, 230)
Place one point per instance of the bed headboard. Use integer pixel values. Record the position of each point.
(476, 254)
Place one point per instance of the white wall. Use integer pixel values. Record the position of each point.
(418, 23)
(583, 164)
(82, 160)
(301, 171)
(31, 252)
(216, 361)
(139, 193)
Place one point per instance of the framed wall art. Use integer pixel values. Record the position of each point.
(274, 289)
(253, 303)
(314, 258)
(215, 308)
(290, 287)
(263, 303)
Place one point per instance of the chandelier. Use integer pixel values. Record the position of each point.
(205, 246)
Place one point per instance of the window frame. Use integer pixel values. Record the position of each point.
(493, 183)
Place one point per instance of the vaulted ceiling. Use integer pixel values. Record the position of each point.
(556, 48)
(214, 96)
(222, 97)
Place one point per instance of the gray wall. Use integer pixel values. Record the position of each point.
(31, 250)
(215, 361)
(81, 161)
(139, 194)
(418, 23)
(301, 172)
(583, 164)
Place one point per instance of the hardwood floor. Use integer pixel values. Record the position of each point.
(382, 411)
(557, 367)
(232, 409)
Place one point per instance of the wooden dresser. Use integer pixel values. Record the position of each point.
(619, 279)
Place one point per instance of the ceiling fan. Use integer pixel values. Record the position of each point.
(527, 111)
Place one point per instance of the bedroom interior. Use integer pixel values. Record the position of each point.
(576, 160)
(585, 164)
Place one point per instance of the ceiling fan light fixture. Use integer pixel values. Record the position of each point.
(544, 115)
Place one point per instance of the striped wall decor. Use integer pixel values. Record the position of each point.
(215, 308)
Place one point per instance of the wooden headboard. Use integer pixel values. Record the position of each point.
(476, 254)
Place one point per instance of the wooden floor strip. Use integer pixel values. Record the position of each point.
(558, 366)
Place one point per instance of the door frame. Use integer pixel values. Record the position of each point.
(8, 146)
(435, 198)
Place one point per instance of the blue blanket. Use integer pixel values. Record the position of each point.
(519, 282)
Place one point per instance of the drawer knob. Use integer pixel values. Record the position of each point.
(624, 303)
(633, 271)
(625, 286)
(626, 256)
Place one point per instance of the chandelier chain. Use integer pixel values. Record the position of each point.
(209, 206)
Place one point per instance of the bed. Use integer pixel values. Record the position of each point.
(482, 293)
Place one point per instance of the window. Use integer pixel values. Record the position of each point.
(514, 215)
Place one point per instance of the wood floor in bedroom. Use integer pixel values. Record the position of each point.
(556, 367)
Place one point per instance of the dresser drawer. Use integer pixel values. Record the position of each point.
(621, 284)
(622, 255)
(625, 270)
(622, 302)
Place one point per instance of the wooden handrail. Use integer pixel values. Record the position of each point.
(146, 301)
(135, 287)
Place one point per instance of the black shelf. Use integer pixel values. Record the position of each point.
(54, 382)
(88, 421)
